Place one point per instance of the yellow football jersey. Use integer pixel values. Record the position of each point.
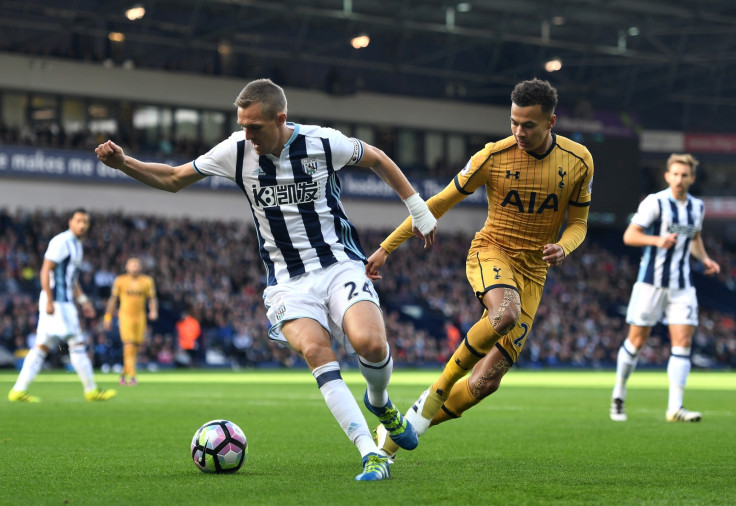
(133, 292)
(528, 198)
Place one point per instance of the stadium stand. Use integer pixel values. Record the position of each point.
(212, 269)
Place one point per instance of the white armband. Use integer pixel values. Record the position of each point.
(421, 216)
(82, 299)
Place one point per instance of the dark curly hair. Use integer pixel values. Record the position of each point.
(535, 92)
(79, 210)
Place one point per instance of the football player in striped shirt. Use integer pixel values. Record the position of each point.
(668, 227)
(57, 315)
(317, 285)
(535, 181)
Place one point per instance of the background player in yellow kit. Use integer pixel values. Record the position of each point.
(534, 180)
(133, 289)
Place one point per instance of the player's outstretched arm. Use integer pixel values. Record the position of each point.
(438, 205)
(636, 236)
(158, 175)
(375, 262)
(424, 224)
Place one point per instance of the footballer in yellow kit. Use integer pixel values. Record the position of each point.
(529, 197)
(133, 289)
(535, 182)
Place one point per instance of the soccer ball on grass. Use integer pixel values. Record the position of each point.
(219, 446)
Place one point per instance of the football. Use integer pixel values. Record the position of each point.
(219, 446)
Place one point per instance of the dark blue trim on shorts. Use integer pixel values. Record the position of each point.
(500, 286)
(480, 295)
(328, 376)
(504, 353)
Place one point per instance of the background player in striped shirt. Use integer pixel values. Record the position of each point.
(668, 226)
(535, 180)
(57, 315)
(317, 285)
(133, 289)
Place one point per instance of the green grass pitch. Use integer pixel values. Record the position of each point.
(543, 438)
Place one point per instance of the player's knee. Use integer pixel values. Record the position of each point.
(506, 320)
(482, 389)
(369, 343)
(506, 313)
(317, 354)
(372, 349)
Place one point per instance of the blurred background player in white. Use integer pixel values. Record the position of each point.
(317, 286)
(57, 314)
(668, 226)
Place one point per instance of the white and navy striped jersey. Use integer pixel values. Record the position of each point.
(65, 250)
(661, 214)
(294, 198)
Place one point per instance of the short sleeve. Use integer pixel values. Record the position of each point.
(116, 289)
(345, 150)
(57, 250)
(647, 213)
(472, 176)
(221, 160)
(586, 185)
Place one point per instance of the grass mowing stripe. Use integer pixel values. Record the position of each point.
(698, 380)
(544, 437)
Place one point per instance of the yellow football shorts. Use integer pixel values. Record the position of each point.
(132, 330)
(489, 269)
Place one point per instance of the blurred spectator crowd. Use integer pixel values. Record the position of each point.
(211, 272)
(51, 134)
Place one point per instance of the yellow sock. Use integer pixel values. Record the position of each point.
(389, 447)
(130, 357)
(479, 341)
(460, 400)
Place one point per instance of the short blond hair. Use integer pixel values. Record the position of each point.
(685, 158)
(271, 96)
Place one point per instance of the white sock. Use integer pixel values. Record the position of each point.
(377, 376)
(343, 406)
(31, 367)
(81, 363)
(678, 369)
(628, 356)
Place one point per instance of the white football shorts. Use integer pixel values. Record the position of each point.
(323, 295)
(650, 303)
(63, 324)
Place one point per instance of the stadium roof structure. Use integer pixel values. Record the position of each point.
(671, 64)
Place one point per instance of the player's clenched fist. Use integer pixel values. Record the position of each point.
(110, 154)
